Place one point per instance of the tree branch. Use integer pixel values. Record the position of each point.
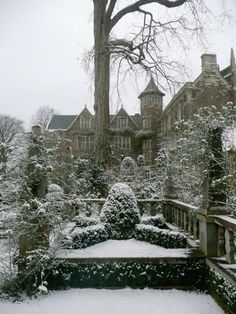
(136, 7)
(110, 9)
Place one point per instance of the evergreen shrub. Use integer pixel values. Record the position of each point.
(120, 212)
(84, 222)
(84, 237)
(165, 238)
(156, 221)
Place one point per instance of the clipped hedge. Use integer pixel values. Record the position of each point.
(84, 222)
(84, 237)
(165, 238)
(132, 274)
(222, 290)
(156, 221)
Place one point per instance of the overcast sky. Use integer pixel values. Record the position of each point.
(41, 46)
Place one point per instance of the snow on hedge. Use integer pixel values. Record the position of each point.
(120, 212)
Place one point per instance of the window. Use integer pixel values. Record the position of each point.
(147, 144)
(122, 122)
(85, 122)
(146, 123)
(85, 142)
(121, 142)
(147, 158)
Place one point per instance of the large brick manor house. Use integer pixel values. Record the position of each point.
(143, 132)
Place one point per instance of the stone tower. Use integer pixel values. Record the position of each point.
(151, 108)
(151, 99)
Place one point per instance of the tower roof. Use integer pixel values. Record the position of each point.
(151, 88)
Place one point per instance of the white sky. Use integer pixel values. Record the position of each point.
(41, 46)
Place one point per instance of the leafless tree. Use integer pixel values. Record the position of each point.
(42, 116)
(10, 128)
(142, 48)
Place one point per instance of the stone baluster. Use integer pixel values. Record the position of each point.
(190, 225)
(185, 223)
(229, 246)
(195, 228)
(221, 241)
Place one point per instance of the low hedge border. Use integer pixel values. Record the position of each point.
(80, 238)
(84, 237)
(136, 275)
(84, 222)
(156, 221)
(166, 238)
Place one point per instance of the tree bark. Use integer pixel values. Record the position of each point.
(102, 82)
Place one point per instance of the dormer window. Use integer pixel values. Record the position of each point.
(85, 122)
(122, 122)
(146, 123)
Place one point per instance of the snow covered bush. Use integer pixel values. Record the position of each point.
(166, 238)
(83, 222)
(120, 212)
(197, 161)
(156, 221)
(83, 237)
(91, 180)
(127, 169)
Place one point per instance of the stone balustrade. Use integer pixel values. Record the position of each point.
(182, 215)
(226, 235)
(148, 206)
(217, 231)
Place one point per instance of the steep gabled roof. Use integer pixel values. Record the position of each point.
(61, 122)
(123, 112)
(85, 112)
(151, 89)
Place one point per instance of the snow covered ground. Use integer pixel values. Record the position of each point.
(125, 301)
(123, 248)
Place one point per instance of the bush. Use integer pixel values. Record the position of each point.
(165, 238)
(120, 212)
(84, 222)
(127, 168)
(84, 237)
(156, 221)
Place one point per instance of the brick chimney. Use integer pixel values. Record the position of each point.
(209, 63)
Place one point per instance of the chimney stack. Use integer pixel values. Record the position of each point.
(209, 63)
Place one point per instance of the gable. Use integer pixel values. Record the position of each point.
(122, 114)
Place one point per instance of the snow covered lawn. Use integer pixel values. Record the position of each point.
(123, 248)
(125, 301)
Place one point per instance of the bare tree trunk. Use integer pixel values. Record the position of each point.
(102, 82)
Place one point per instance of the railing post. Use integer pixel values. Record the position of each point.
(221, 241)
(229, 246)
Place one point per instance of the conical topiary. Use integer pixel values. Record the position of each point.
(120, 212)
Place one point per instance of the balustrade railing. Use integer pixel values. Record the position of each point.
(188, 218)
(183, 216)
(146, 206)
(226, 236)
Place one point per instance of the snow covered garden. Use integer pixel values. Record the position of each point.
(68, 223)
